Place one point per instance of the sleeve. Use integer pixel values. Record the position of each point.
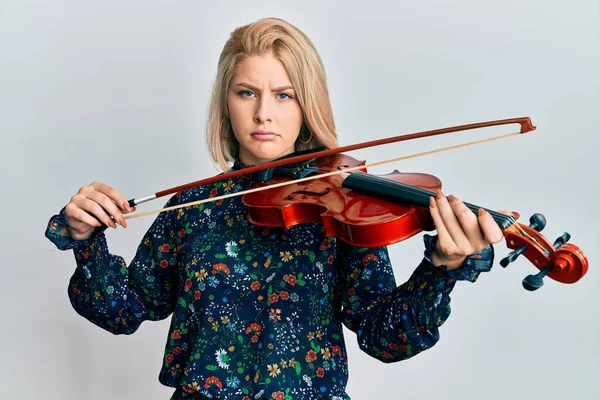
(111, 294)
(394, 323)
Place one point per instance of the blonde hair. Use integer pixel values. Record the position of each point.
(305, 69)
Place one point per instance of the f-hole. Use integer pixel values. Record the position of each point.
(309, 193)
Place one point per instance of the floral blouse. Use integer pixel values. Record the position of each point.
(257, 313)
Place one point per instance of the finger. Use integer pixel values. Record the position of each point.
(444, 241)
(88, 198)
(95, 209)
(113, 194)
(468, 223)
(109, 206)
(76, 216)
(489, 227)
(451, 221)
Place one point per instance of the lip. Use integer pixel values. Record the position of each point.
(263, 135)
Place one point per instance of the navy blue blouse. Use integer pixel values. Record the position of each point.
(257, 312)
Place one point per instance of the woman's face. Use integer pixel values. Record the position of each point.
(265, 114)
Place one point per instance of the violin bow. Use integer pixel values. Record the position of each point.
(303, 179)
(524, 122)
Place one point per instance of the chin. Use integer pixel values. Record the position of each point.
(267, 152)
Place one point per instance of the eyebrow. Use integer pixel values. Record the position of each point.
(277, 89)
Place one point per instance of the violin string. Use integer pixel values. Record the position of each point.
(421, 196)
(324, 175)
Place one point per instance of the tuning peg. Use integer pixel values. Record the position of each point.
(512, 256)
(537, 221)
(561, 240)
(534, 282)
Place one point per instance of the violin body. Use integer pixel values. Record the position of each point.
(350, 215)
(377, 210)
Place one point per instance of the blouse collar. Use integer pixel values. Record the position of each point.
(238, 164)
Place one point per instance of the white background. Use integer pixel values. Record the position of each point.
(117, 91)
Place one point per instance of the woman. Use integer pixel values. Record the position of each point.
(258, 312)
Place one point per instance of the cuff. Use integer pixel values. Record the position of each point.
(473, 265)
(58, 232)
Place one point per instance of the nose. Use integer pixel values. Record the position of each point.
(263, 110)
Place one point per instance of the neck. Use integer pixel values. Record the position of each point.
(401, 192)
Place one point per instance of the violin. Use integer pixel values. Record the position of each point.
(332, 188)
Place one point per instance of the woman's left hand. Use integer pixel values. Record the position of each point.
(460, 232)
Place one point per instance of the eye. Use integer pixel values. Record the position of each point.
(284, 94)
(245, 93)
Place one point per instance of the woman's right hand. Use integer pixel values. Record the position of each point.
(93, 203)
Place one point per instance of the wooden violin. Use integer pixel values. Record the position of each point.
(376, 210)
(332, 188)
